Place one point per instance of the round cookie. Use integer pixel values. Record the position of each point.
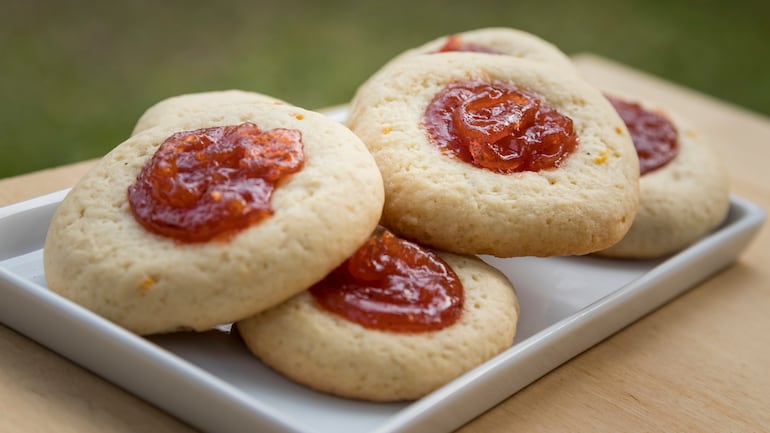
(331, 354)
(679, 202)
(584, 205)
(176, 108)
(503, 41)
(98, 255)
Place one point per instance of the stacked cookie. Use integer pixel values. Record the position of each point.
(583, 202)
(143, 274)
(684, 189)
(397, 351)
(346, 257)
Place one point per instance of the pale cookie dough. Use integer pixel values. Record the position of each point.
(585, 205)
(177, 108)
(99, 256)
(679, 202)
(331, 354)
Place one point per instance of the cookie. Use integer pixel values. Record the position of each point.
(584, 204)
(495, 40)
(176, 108)
(100, 256)
(330, 353)
(679, 201)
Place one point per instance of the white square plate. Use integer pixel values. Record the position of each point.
(211, 381)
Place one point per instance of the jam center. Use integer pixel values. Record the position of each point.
(499, 127)
(393, 285)
(655, 137)
(213, 182)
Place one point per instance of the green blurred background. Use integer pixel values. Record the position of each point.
(76, 75)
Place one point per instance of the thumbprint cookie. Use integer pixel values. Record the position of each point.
(393, 322)
(498, 155)
(213, 219)
(684, 188)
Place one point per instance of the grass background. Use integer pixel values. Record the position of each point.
(76, 75)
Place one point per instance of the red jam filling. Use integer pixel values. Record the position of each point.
(390, 284)
(213, 182)
(453, 43)
(654, 136)
(499, 127)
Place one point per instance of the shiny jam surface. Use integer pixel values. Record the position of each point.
(211, 183)
(499, 127)
(454, 43)
(654, 136)
(390, 284)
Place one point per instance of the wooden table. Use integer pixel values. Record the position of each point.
(700, 363)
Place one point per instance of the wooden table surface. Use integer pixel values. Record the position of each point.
(699, 363)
